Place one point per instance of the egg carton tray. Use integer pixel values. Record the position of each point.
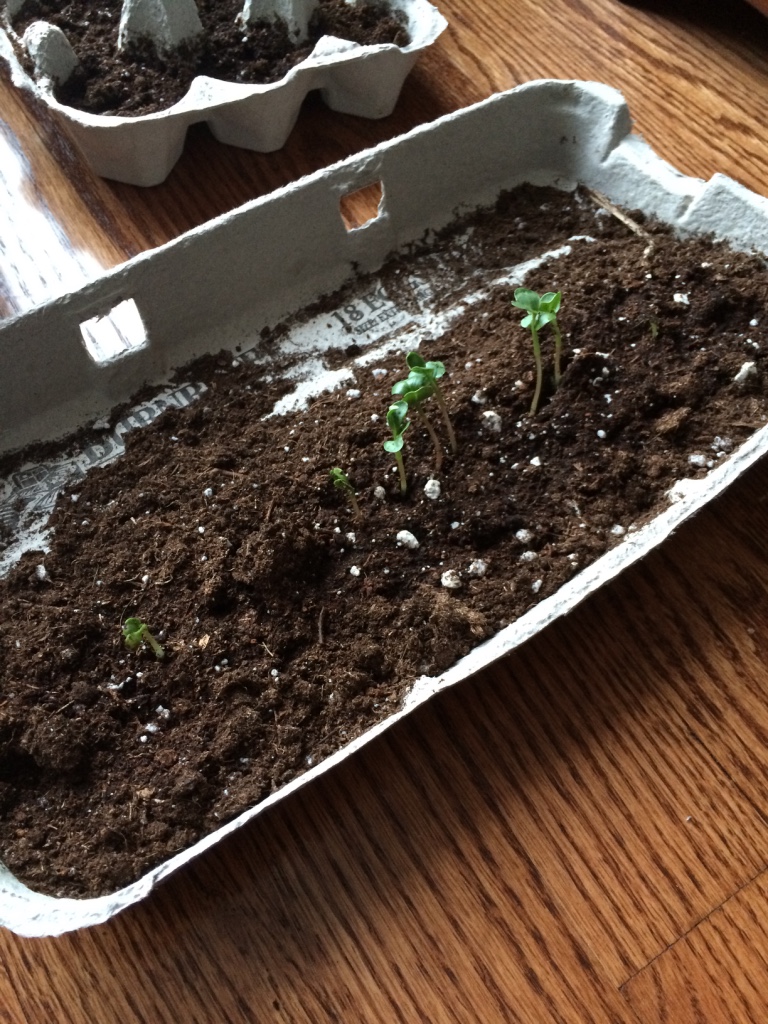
(352, 79)
(69, 362)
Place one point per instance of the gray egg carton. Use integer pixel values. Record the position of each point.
(69, 362)
(352, 79)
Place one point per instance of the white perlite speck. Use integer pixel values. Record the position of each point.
(698, 460)
(682, 298)
(40, 572)
(492, 421)
(536, 586)
(747, 371)
(379, 492)
(479, 398)
(618, 530)
(354, 570)
(535, 461)
(451, 579)
(524, 536)
(432, 489)
(477, 567)
(353, 393)
(722, 444)
(406, 538)
(528, 556)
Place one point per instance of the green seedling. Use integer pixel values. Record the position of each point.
(341, 480)
(541, 310)
(432, 370)
(398, 422)
(135, 632)
(413, 391)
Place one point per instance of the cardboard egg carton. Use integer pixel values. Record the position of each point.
(352, 79)
(69, 362)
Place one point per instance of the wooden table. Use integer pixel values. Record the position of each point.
(578, 835)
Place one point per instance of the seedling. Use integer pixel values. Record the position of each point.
(541, 310)
(398, 422)
(432, 370)
(413, 391)
(341, 480)
(135, 631)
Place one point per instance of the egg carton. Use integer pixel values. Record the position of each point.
(69, 362)
(352, 79)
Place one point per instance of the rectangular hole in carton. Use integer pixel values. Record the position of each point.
(114, 334)
(362, 206)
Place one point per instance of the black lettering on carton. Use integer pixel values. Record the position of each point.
(376, 299)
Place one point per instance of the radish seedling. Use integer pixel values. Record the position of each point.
(541, 310)
(432, 370)
(413, 391)
(398, 422)
(341, 480)
(135, 631)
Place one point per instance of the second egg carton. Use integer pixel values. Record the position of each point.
(142, 150)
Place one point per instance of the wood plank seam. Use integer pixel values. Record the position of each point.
(703, 920)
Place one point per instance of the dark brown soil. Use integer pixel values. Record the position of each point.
(286, 635)
(140, 81)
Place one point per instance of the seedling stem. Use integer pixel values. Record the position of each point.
(427, 424)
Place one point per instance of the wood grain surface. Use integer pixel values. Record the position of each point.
(578, 835)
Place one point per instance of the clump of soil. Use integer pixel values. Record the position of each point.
(289, 624)
(141, 81)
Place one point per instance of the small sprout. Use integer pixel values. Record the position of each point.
(398, 422)
(541, 310)
(135, 631)
(341, 480)
(425, 375)
(413, 392)
(434, 369)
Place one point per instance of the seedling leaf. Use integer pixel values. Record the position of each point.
(526, 299)
(135, 632)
